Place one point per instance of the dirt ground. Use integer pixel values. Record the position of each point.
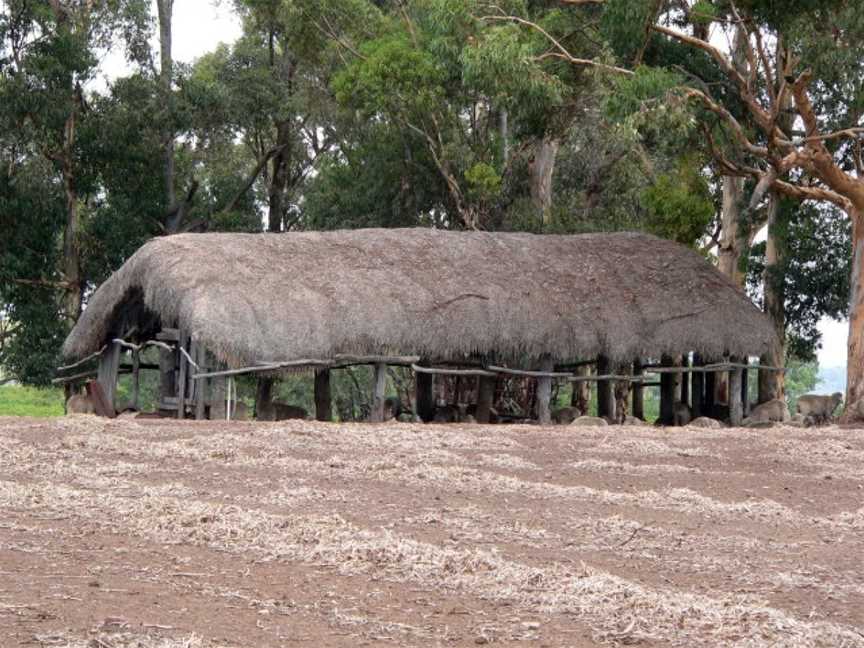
(167, 534)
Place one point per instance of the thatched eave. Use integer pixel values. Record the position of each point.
(260, 297)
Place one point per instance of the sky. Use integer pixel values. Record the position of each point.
(200, 25)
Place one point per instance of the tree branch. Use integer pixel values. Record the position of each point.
(562, 51)
(251, 179)
(730, 120)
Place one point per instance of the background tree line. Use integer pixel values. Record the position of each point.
(700, 121)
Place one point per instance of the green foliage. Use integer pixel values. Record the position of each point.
(679, 204)
(484, 183)
(814, 273)
(801, 379)
(381, 180)
(643, 96)
(703, 12)
(16, 400)
(393, 76)
(624, 24)
(31, 212)
(780, 15)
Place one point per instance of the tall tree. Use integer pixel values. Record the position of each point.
(50, 53)
(819, 70)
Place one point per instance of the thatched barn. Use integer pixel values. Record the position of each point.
(472, 298)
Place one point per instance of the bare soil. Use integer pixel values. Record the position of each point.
(170, 534)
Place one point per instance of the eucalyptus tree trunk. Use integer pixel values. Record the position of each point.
(855, 354)
(166, 77)
(281, 167)
(771, 383)
(71, 244)
(734, 239)
(542, 169)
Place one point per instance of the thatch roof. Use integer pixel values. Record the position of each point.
(261, 297)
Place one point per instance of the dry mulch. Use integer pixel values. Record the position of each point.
(170, 534)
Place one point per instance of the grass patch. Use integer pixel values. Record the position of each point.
(16, 400)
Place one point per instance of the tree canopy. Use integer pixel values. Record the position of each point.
(542, 116)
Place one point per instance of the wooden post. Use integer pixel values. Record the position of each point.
(181, 379)
(709, 404)
(201, 384)
(745, 396)
(698, 395)
(485, 398)
(136, 377)
(544, 393)
(101, 406)
(323, 403)
(109, 364)
(605, 399)
(638, 392)
(217, 393)
(424, 397)
(667, 394)
(377, 415)
(167, 368)
(581, 398)
(685, 379)
(736, 408)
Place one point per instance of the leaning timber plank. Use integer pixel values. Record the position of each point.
(82, 361)
(75, 378)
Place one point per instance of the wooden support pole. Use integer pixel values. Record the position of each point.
(544, 393)
(667, 394)
(424, 397)
(581, 397)
(167, 375)
(709, 404)
(485, 398)
(377, 415)
(264, 398)
(109, 364)
(218, 387)
(181, 377)
(136, 378)
(638, 392)
(685, 379)
(698, 389)
(201, 384)
(323, 403)
(745, 389)
(736, 407)
(605, 399)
